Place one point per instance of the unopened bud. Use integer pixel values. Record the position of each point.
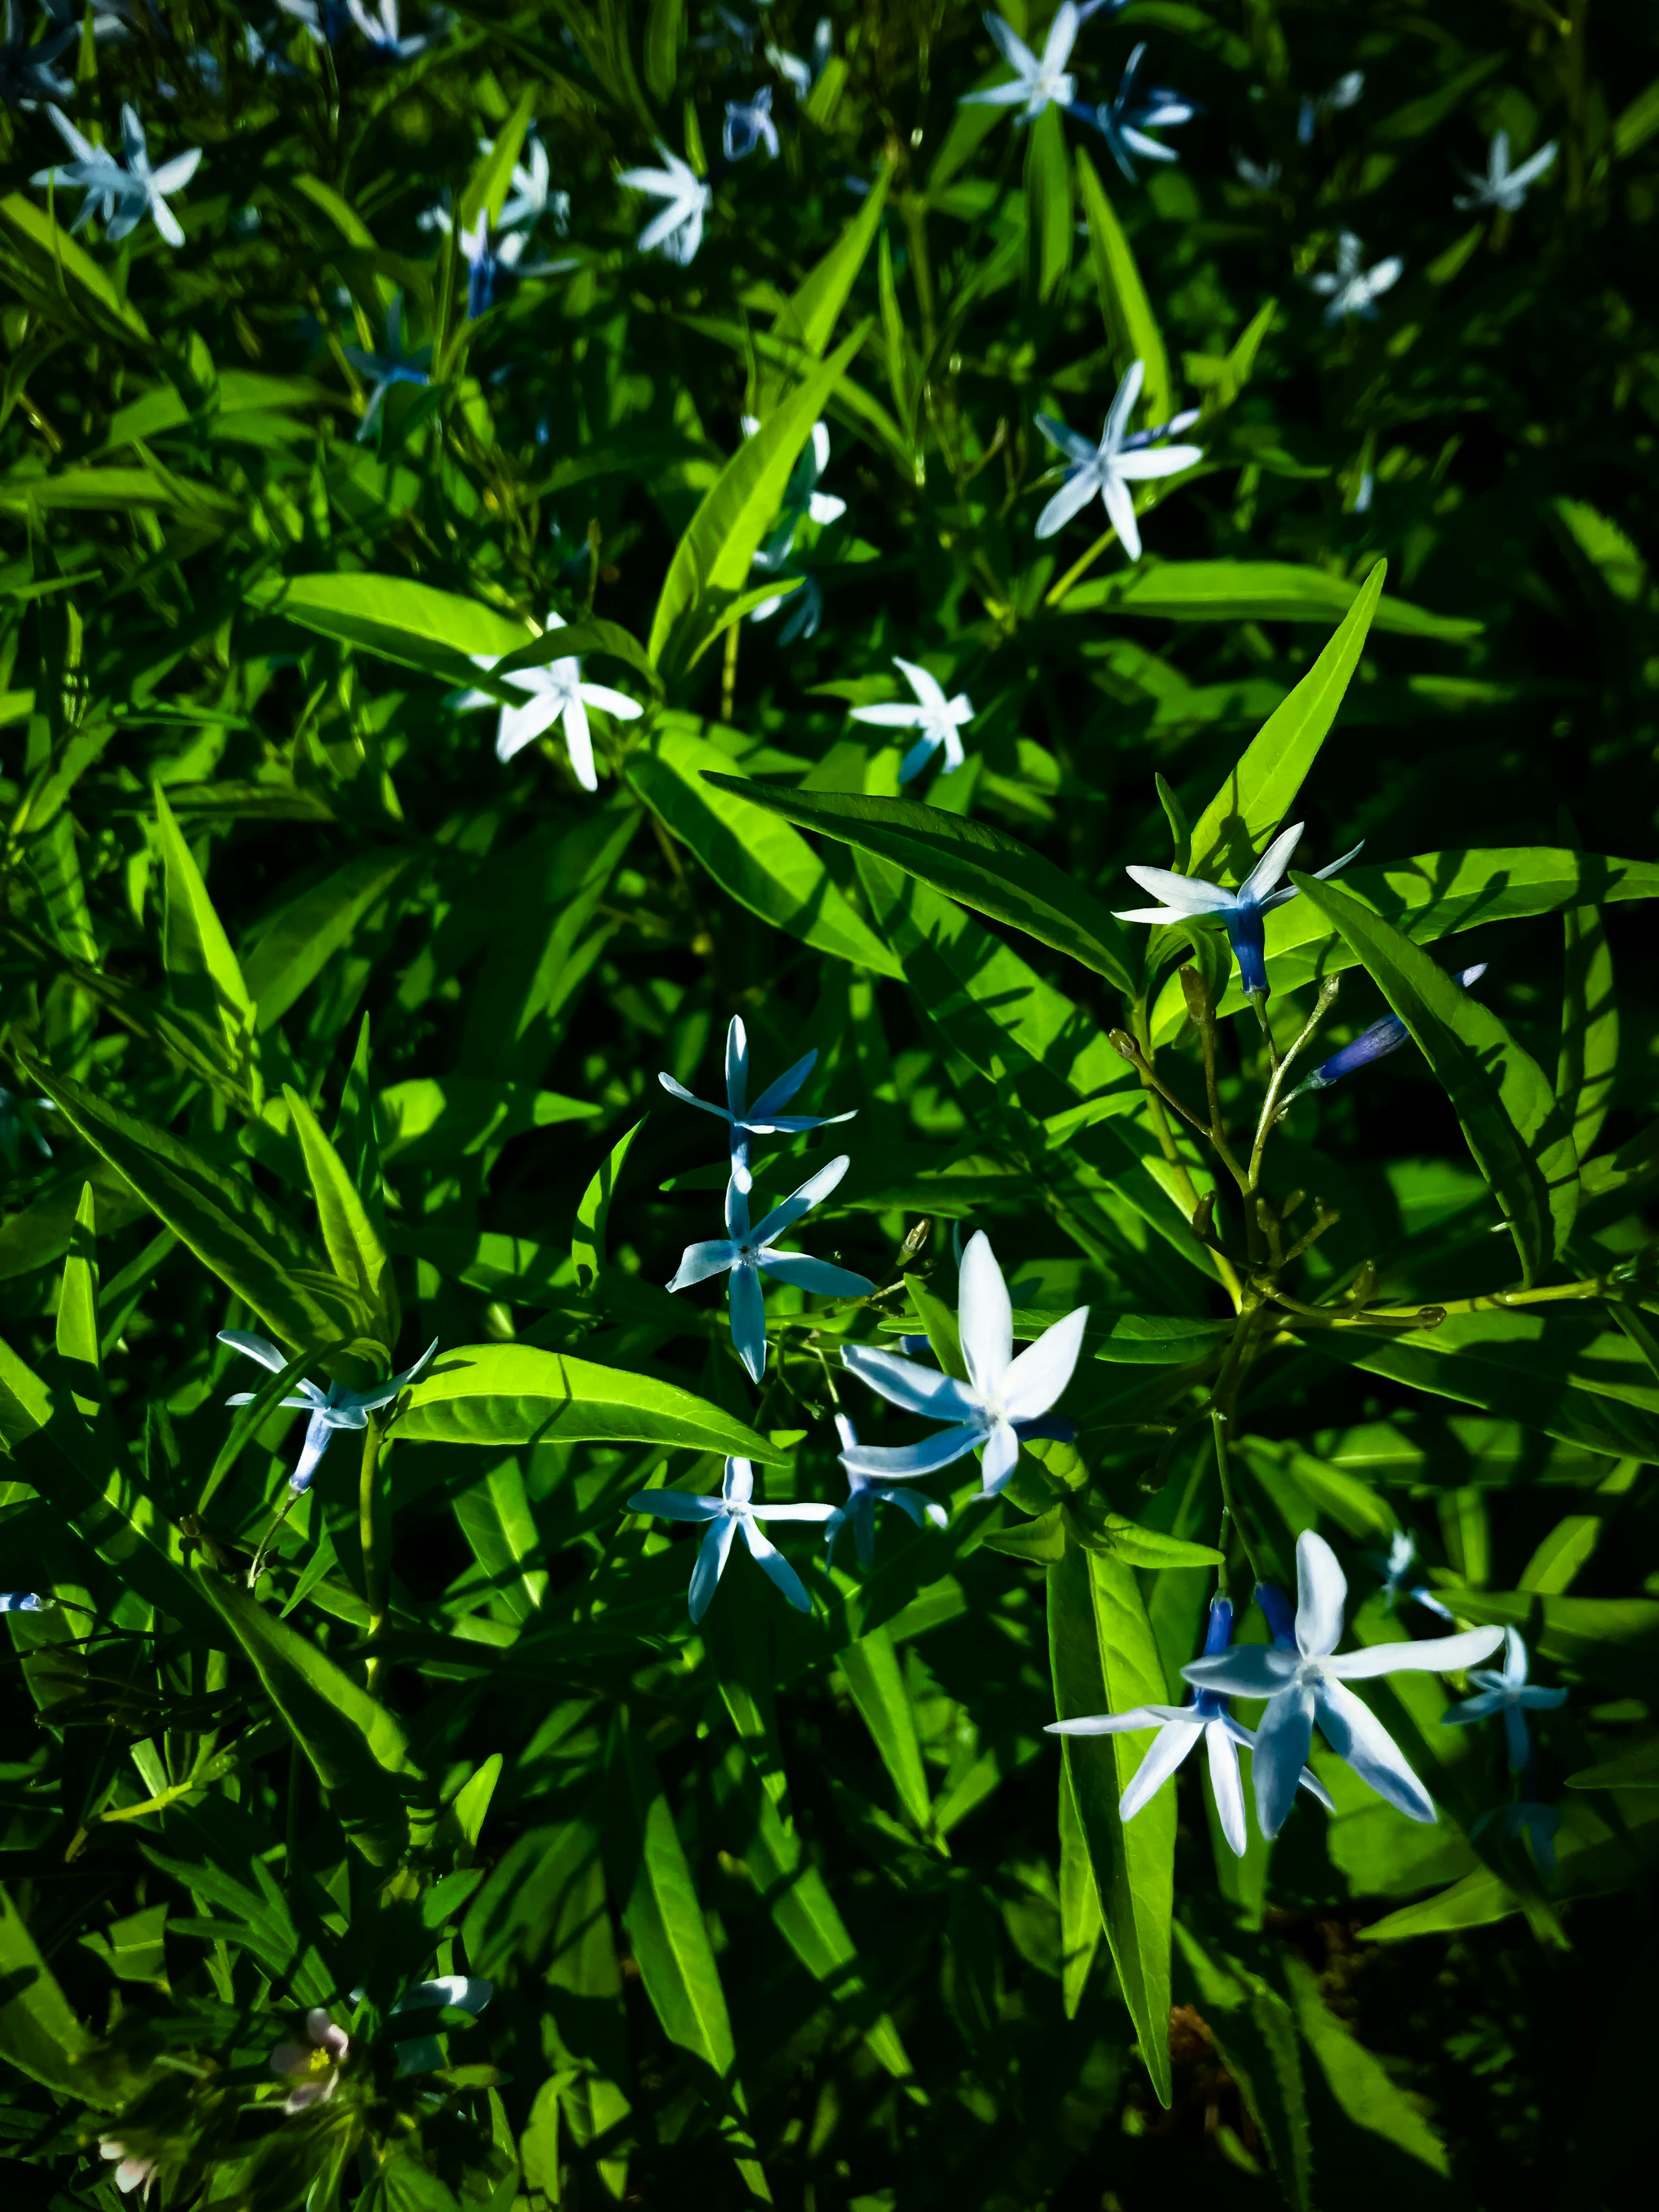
(1200, 1007)
(1122, 1043)
(913, 1243)
(1430, 1317)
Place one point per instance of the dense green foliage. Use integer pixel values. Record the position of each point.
(323, 1024)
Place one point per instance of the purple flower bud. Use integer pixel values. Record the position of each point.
(1374, 1043)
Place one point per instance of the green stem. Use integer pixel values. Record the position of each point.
(369, 1531)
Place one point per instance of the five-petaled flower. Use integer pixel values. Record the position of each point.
(1506, 1691)
(938, 719)
(1003, 1400)
(1179, 1729)
(1394, 1570)
(531, 198)
(732, 1509)
(1243, 910)
(314, 2066)
(1122, 458)
(392, 367)
(864, 1495)
(762, 1118)
(382, 31)
(1349, 290)
(749, 124)
(1503, 187)
(27, 75)
(1124, 120)
(335, 1408)
(1307, 1682)
(132, 2170)
(744, 1253)
(678, 229)
(557, 694)
(1374, 1043)
(121, 197)
(1037, 82)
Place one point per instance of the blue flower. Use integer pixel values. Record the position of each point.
(1002, 1401)
(323, 21)
(1122, 458)
(1374, 1043)
(1402, 1553)
(382, 31)
(1350, 289)
(678, 231)
(1308, 1682)
(744, 1253)
(335, 1408)
(1506, 1691)
(800, 75)
(1179, 1731)
(1343, 93)
(1503, 187)
(1124, 120)
(1036, 83)
(938, 719)
(749, 124)
(393, 366)
(27, 75)
(802, 500)
(121, 197)
(859, 1513)
(1243, 911)
(732, 1509)
(20, 1602)
(744, 1122)
(1527, 1817)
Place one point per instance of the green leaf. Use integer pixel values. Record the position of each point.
(1519, 1136)
(458, 1116)
(712, 560)
(1149, 1547)
(495, 1519)
(357, 1751)
(1080, 1924)
(1160, 1340)
(1104, 1659)
(664, 29)
(588, 1236)
(762, 862)
(39, 2033)
(506, 1394)
(590, 635)
(966, 859)
(203, 977)
(1229, 836)
(1361, 2084)
(55, 259)
(875, 1680)
(1048, 203)
(1612, 1640)
(1131, 326)
(664, 1917)
(1636, 124)
(355, 1250)
(491, 182)
(1042, 1540)
(1251, 591)
(809, 316)
(292, 946)
(254, 1250)
(1254, 2032)
(416, 626)
(1589, 1061)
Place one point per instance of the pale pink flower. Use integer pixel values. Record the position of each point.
(315, 2065)
(132, 2172)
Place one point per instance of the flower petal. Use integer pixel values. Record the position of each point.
(243, 1339)
(771, 1561)
(1354, 1733)
(749, 1321)
(984, 1317)
(1436, 1654)
(1228, 1789)
(906, 1382)
(1001, 1457)
(699, 1262)
(906, 1461)
(1172, 1744)
(1040, 1373)
(1186, 894)
(1321, 1592)
(676, 1506)
(711, 1564)
(802, 1201)
(1280, 1754)
(819, 1276)
(1137, 1717)
(1249, 1670)
(776, 1095)
(1122, 406)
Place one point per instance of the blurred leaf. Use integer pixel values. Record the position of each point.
(875, 1680)
(1131, 326)
(39, 2033)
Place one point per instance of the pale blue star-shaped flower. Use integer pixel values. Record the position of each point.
(27, 75)
(1179, 1728)
(531, 199)
(393, 366)
(749, 124)
(22, 1601)
(1349, 290)
(678, 231)
(1308, 1683)
(1243, 911)
(1038, 82)
(864, 1495)
(746, 1253)
(801, 75)
(336, 1407)
(1003, 1400)
(764, 1118)
(1123, 457)
(938, 719)
(121, 197)
(1506, 1691)
(732, 1509)
(323, 21)
(1394, 1570)
(1502, 187)
(1124, 120)
(383, 32)
(1317, 105)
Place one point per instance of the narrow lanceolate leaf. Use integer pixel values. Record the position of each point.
(1589, 1061)
(1252, 591)
(587, 1237)
(517, 1394)
(760, 860)
(1521, 1138)
(254, 1250)
(1255, 2031)
(808, 317)
(1228, 836)
(664, 1917)
(40, 2031)
(203, 979)
(1048, 203)
(414, 624)
(876, 1679)
(1131, 325)
(355, 1250)
(1104, 1658)
(711, 563)
(1080, 1924)
(967, 860)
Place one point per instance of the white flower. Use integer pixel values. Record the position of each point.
(382, 31)
(749, 124)
(531, 199)
(557, 694)
(1305, 1682)
(121, 196)
(132, 2172)
(314, 2065)
(938, 719)
(1351, 290)
(1037, 83)
(678, 229)
(1122, 458)
(1502, 187)
(1001, 1398)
